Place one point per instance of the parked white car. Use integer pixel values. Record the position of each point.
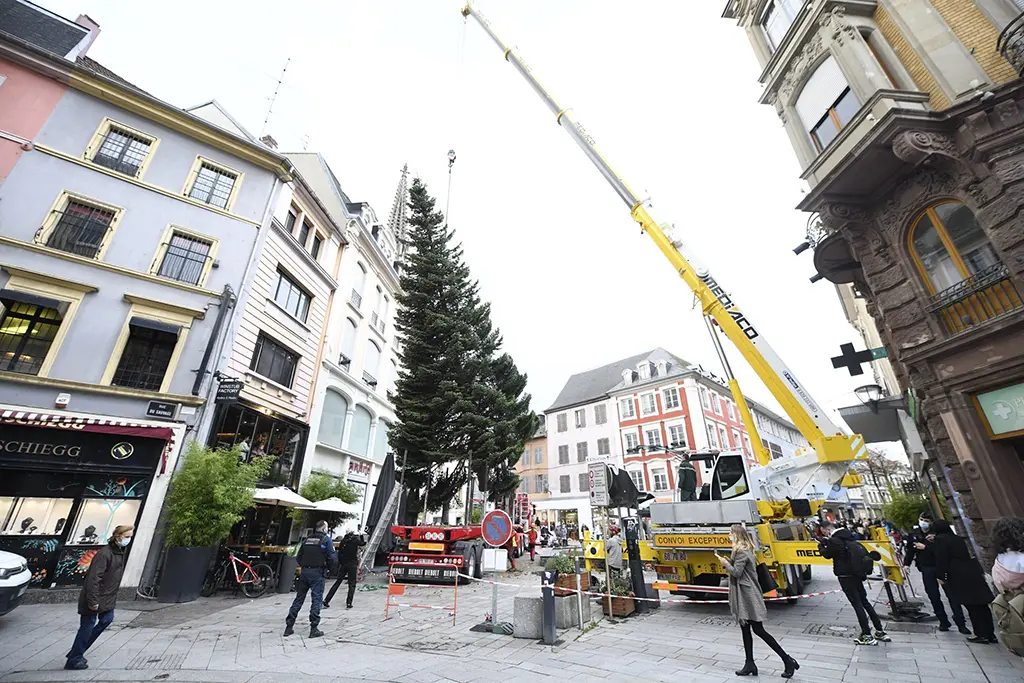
(14, 578)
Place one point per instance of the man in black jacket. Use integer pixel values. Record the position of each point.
(836, 547)
(348, 561)
(316, 556)
(920, 552)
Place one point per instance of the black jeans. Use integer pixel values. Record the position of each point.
(310, 581)
(931, 587)
(748, 640)
(347, 571)
(858, 597)
(981, 621)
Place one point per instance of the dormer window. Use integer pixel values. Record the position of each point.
(644, 370)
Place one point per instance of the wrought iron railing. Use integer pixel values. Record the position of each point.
(80, 230)
(369, 379)
(986, 295)
(356, 298)
(1011, 44)
(377, 322)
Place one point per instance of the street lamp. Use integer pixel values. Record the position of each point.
(869, 395)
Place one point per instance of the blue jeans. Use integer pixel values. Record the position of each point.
(89, 629)
(310, 580)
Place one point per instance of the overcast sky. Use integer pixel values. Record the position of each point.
(667, 88)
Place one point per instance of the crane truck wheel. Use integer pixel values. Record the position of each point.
(470, 562)
(805, 573)
(702, 580)
(478, 573)
(794, 582)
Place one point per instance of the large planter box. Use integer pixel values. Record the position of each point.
(183, 573)
(568, 581)
(621, 606)
(286, 576)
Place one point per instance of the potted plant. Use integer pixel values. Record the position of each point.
(207, 496)
(565, 565)
(620, 588)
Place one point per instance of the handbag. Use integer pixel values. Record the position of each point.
(765, 579)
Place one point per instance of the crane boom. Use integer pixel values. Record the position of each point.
(830, 443)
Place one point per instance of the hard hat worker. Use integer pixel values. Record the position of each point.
(316, 556)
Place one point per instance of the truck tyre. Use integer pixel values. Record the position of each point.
(794, 582)
(470, 565)
(805, 573)
(479, 572)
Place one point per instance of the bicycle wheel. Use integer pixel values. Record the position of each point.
(214, 580)
(256, 584)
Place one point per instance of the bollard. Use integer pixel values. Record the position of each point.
(548, 613)
(579, 591)
(495, 627)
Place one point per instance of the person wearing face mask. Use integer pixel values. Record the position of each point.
(96, 601)
(921, 552)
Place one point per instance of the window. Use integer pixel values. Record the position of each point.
(704, 401)
(538, 456)
(949, 245)
(632, 441)
(748, 448)
(777, 20)
(35, 516)
(670, 398)
(273, 361)
(314, 250)
(581, 451)
(79, 227)
(716, 403)
(121, 149)
(677, 436)
(712, 435)
(348, 342)
(332, 420)
(304, 233)
(660, 477)
(146, 355)
(736, 440)
(584, 482)
(652, 437)
(600, 414)
(776, 450)
(358, 286)
(540, 483)
(524, 486)
(27, 330)
(292, 298)
(563, 483)
(290, 219)
(185, 257)
(648, 405)
(603, 447)
(731, 409)
(626, 408)
(826, 104)
(563, 454)
(359, 439)
(723, 436)
(102, 515)
(563, 422)
(371, 365)
(638, 479)
(581, 418)
(212, 184)
(644, 370)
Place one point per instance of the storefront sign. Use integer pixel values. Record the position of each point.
(162, 409)
(228, 391)
(1003, 410)
(20, 444)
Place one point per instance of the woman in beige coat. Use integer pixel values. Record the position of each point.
(746, 602)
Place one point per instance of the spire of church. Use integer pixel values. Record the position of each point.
(398, 220)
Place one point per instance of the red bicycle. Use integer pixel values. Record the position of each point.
(254, 580)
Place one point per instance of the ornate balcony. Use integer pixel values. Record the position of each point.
(1011, 44)
(987, 295)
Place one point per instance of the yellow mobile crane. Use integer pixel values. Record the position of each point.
(771, 497)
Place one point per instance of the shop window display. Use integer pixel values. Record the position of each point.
(36, 516)
(97, 518)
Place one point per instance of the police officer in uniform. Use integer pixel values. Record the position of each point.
(687, 478)
(315, 556)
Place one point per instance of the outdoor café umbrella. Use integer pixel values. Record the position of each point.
(335, 504)
(281, 495)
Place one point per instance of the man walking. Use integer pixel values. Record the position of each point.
(920, 551)
(348, 562)
(852, 564)
(315, 556)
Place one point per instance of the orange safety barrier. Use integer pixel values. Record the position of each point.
(396, 588)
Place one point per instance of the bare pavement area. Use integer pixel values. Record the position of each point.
(236, 640)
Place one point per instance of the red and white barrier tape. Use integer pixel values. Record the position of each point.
(400, 604)
(669, 600)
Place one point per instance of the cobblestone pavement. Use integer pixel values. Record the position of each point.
(235, 640)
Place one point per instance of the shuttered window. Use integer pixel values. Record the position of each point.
(826, 103)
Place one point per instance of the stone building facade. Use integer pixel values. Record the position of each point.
(908, 117)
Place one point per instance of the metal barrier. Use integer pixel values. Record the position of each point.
(398, 588)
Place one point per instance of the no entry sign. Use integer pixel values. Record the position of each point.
(496, 528)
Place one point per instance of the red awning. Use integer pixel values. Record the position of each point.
(103, 425)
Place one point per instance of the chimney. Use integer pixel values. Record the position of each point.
(83, 46)
(627, 376)
(269, 141)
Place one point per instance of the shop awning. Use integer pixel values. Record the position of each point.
(103, 425)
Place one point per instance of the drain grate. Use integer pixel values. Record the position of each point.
(153, 662)
(910, 627)
(828, 630)
(716, 621)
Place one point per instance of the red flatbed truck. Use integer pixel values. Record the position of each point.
(460, 547)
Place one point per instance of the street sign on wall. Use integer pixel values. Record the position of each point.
(496, 528)
(597, 474)
(1003, 409)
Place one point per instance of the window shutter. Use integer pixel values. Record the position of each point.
(820, 92)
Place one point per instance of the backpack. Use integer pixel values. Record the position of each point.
(1008, 611)
(861, 563)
